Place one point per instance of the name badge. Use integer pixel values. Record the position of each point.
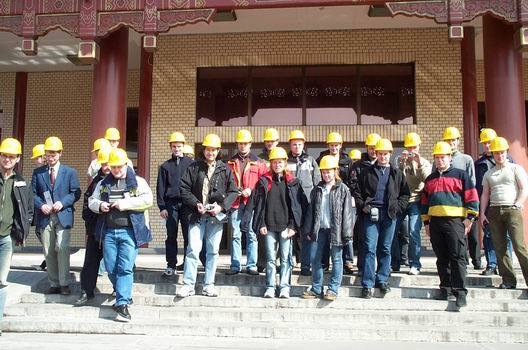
(19, 184)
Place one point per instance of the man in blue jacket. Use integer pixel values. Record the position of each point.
(56, 188)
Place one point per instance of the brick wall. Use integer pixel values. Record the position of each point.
(438, 80)
(59, 104)
(7, 98)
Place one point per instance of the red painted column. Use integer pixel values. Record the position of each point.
(19, 115)
(469, 92)
(109, 86)
(144, 114)
(505, 111)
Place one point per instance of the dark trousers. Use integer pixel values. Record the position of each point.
(90, 269)
(449, 244)
(261, 255)
(171, 243)
(400, 244)
(474, 246)
(504, 221)
(358, 238)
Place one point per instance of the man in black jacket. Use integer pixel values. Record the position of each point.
(367, 159)
(16, 210)
(169, 200)
(382, 195)
(208, 190)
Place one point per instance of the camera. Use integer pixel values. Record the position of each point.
(374, 214)
(209, 207)
(410, 155)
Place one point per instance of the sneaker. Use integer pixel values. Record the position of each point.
(284, 294)
(169, 272)
(269, 293)
(330, 295)
(232, 272)
(367, 293)
(310, 294)
(122, 313)
(185, 291)
(461, 300)
(84, 299)
(210, 291)
(348, 268)
(384, 288)
(490, 271)
(253, 272)
(507, 286)
(414, 271)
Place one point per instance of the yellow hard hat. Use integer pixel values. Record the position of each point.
(442, 148)
(451, 133)
(244, 136)
(412, 139)
(278, 153)
(53, 143)
(384, 145)
(11, 146)
(212, 140)
(486, 135)
(372, 139)
(328, 162)
(296, 135)
(334, 137)
(100, 143)
(117, 157)
(112, 134)
(103, 156)
(38, 151)
(499, 144)
(188, 149)
(177, 137)
(271, 134)
(355, 154)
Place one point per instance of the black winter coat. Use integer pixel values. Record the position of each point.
(222, 188)
(89, 217)
(341, 212)
(256, 207)
(23, 205)
(397, 190)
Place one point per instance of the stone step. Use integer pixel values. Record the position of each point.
(377, 303)
(275, 330)
(400, 279)
(104, 286)
(296, 316)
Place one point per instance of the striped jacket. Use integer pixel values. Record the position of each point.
(451, 193)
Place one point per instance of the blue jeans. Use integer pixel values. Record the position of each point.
(489, 249)
(236, 242)
(308, 249)
(336, 254)
(209, 229)
(6, 252)
(378, 242)
(119, 251)
(415, 240)
(285, 251)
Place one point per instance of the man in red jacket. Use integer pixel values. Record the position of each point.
(247, 169)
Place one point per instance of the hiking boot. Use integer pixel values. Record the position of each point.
(367, 293)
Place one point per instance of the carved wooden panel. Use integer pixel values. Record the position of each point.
(59, 6)
(68, 23)
(111, 21)
(169, 19)
(436, 9)
(12, 24)
(119, 5)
